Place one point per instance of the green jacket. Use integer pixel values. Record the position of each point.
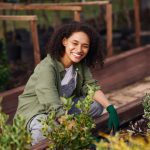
(42, 91)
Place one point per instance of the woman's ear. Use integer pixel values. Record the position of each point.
(64, 41)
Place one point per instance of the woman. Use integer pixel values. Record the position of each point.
(73, 48)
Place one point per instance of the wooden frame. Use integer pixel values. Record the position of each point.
(109, 29)
(46, 6)
(76, 7)
(108, 7)
(137, 22)
(33, 25)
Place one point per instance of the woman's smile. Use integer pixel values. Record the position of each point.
(77, 55)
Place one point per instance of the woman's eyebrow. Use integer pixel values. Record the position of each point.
(83, 43)
(75, 41)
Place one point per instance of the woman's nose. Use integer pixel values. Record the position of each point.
(79, 49)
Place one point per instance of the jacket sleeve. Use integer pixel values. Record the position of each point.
(46, 89)
(88, 80)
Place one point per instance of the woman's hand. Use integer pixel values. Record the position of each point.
(113, 122)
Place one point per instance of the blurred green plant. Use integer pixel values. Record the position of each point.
(146, 105)
(123, 142)
(4, 67)
(73, 132)
(127, 140)
(15, 136)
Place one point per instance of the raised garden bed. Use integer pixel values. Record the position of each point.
(124, 69)
(119, 71)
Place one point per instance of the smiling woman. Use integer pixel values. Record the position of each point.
(90, 39)
(76, 48)
(65, 72)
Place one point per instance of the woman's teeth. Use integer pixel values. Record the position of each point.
(78, 55)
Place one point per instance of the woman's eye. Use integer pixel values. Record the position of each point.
(75, 43)
(86, 46)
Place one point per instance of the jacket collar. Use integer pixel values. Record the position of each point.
(61, 68)
(56, 63)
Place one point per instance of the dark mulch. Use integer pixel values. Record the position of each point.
(19, 74)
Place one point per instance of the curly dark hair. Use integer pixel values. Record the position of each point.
(56, 48)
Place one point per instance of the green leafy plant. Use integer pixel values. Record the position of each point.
(73, 132)
(15, 136)
(128, 140)
(146, 105)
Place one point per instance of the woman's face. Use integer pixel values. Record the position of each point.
(76, 48)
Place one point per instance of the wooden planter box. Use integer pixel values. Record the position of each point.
(119, 71)
(124, 69)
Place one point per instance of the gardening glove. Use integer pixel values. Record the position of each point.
(113, 121)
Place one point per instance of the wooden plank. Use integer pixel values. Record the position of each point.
(36, 6)
(137, 22)
(42, 145)
(4, 25)
(8, 93)
(123, 69)
(35, 40)
(76, 7)
(51, 6)
(85, 3)
(18, 18)
(109, 29)
(77, 16)
(10, 101)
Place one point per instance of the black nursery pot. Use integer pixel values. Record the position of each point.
(14, 52)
